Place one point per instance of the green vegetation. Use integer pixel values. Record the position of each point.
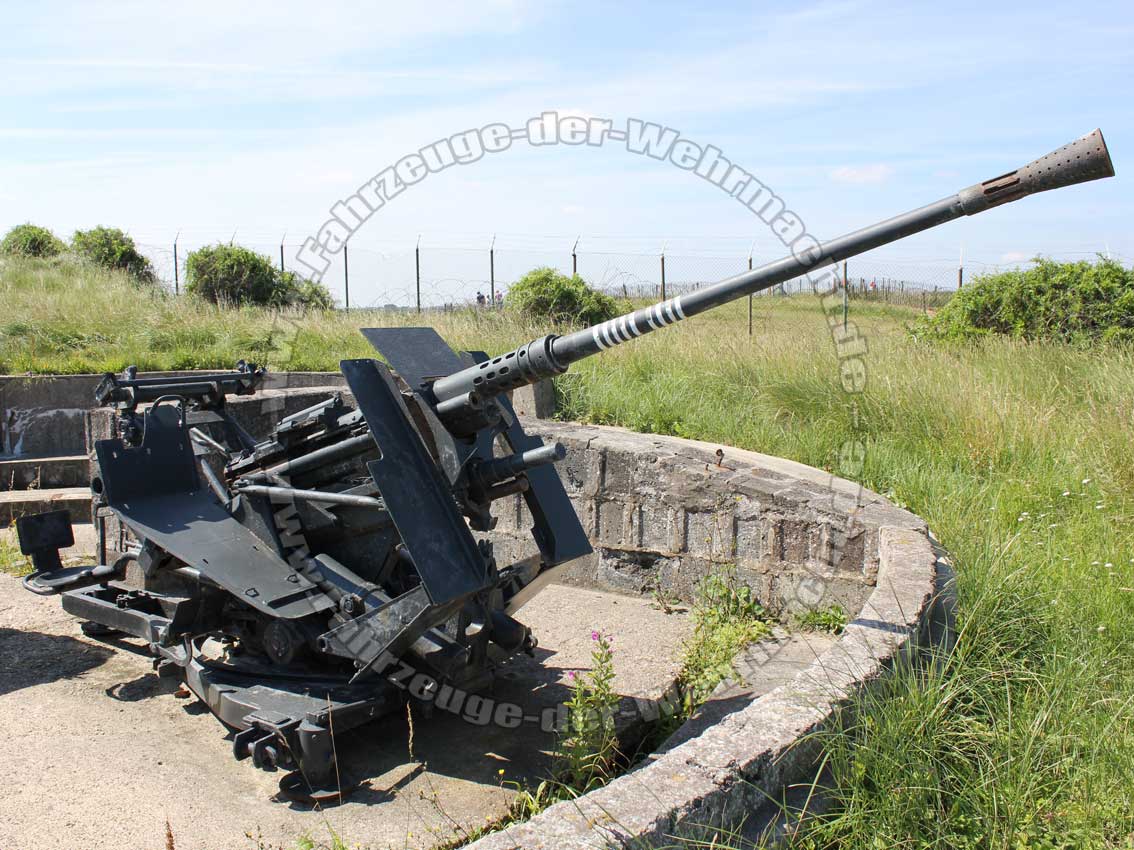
(12, 560)
(67, 316)
(112, 248)
(31, 240)
(726, 618)
(587, 756)
(1017, 453)
(231, 275)
(1080, 303)
(544, 294)
(831, 620)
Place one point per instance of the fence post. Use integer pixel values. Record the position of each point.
(961, 269)
(750, 299)
(492, 271)
(663, 274)
(176, 269)
(846, 297)
(282, 240)
(417, 269)
(574, 257)
(346, 278)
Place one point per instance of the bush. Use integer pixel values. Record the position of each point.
(111, 248)
(1079, 303)
(544, 294)
(30, 240)
(230, 274)
(302, 292)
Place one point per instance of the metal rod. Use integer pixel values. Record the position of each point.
(663, 275)
(492, 273)
(846, 297)
(750, 297)
(176, 268)
(204, 439)
(336, 451)
(346, 278)
(215, 484)
(292, 494)
(417, 270)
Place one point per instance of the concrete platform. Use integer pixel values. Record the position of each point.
(102, 754)
(23, 473)
(16, 503)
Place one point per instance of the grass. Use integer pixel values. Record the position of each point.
(726, 618)
(12, 560)
(64, 317)
(831, 620)
(1019, 455)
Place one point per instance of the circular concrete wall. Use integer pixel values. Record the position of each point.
(662, 513)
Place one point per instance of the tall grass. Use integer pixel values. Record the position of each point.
(1020, 456)
(62, 316)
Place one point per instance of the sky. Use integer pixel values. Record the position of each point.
(247, 121)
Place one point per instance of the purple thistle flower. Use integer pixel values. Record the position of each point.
(594, 635)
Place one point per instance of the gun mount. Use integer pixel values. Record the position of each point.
(283, 579)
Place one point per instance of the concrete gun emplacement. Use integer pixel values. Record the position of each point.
(280, 578)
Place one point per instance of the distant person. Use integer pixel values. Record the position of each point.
(499, 299)
(480, 299)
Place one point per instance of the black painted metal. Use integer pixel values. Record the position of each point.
(416, 496)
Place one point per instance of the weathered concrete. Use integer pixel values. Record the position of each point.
(41, 472)
(536, 401)
(45, 415)
(17, 503)
(108, 753)
(720, 777)
(663, 513)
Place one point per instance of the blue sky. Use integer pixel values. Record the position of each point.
(253, 118)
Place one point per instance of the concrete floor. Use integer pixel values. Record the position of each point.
(100, 753)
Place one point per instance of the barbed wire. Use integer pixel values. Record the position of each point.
(401, 274)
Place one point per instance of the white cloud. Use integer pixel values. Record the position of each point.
(875, 173)
(1014, 257)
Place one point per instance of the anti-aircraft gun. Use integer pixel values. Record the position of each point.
(282, 579)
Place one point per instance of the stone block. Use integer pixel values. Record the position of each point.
(710, 534)
(536, 401)
(659, 527)
(611, 523)
(753, 542)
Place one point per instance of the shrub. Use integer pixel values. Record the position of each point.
(545, 294)
(111, 248)
(1079, 303)
(302, 292)
(31, 240)
(230, 274)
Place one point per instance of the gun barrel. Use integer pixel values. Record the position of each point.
(1080, 161)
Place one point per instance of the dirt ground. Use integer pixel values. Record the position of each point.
(101, 753)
